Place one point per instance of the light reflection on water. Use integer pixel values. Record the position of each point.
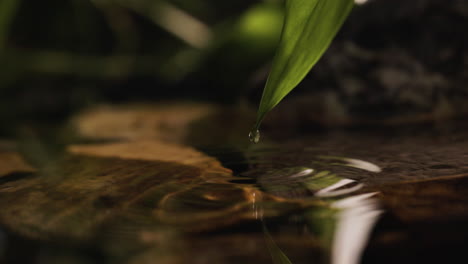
(352, 215)
(337, 189)
(355, 163)
(357, 216)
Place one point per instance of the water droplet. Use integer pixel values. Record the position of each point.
(254, 136)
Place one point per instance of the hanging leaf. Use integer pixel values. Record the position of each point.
(309, 27)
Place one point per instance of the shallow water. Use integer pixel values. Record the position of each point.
(356, 196)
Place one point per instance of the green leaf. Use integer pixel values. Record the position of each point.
(309, 27)
(277, 255)
(7, 11)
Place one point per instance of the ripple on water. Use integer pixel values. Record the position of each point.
(344, 224)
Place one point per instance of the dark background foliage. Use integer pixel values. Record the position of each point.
(391, 57)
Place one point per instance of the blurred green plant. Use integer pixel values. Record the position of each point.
(182, 35)
(7, 12)
(89, 46)
(277, 255)
(309, 27)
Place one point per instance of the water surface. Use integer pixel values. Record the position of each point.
(355, 196)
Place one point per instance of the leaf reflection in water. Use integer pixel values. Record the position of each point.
(344, 222)
(355, 220)
(334, 189)
(343, 228)
(327, 184)
(355, 215)
(277, 255)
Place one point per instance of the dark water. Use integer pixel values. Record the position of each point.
(356, 196)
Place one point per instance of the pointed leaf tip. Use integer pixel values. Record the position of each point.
(309, 27)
